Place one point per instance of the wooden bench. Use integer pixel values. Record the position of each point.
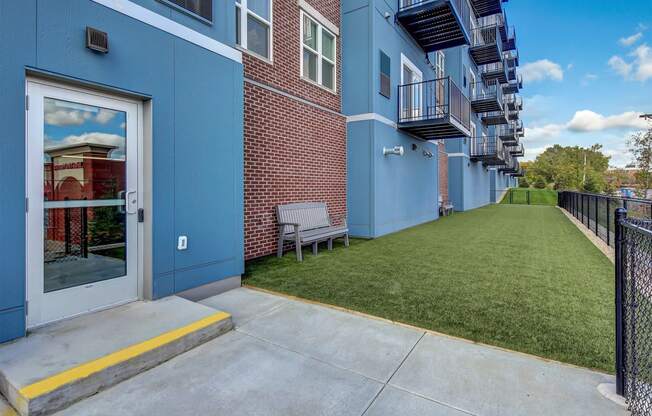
(308, 223)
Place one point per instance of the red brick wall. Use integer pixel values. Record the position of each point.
(443, 172)
(294, 152)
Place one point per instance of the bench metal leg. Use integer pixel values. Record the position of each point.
(279, 249)
(315, 248)
(346, 240)
(297, 243)
(330, 244)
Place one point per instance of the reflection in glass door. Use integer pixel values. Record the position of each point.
(82, 231)
(84, 166)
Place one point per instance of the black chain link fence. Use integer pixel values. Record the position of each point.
(634, 311)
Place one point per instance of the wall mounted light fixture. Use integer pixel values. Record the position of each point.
(396, 150)
(428, 154)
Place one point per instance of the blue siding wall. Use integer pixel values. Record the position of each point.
(385, 193)
(197, 133)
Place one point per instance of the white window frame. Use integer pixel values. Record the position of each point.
(320, 28)
(244, 14)
(472, 81)
(415, 112)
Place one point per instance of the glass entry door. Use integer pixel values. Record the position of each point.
(83, 199)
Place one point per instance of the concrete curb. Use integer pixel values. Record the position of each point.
(597, 241)
(63, 389)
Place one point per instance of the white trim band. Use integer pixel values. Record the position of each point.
(369, 117)
(147, 16)
(84, 203)
(458, 155)
(318, 17)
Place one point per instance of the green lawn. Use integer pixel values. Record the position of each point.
(537, 196)
(519, 277)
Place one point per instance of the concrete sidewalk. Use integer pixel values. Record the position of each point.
(292, 358)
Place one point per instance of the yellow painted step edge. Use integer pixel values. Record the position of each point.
(84, 370)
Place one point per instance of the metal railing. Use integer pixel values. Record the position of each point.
(498, 19)
(516, 150)
(462, 8)
(513, 115)
(511, 58)
(487, 146)
(492, 68)
(433, 99)
(514, 100)
(633, 273)
(595, 211)
(484, 90)
(486, 36)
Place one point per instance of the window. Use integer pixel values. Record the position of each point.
(201, 8)
(318, 54)
(253, 26)
(385, 75)
(410, 100)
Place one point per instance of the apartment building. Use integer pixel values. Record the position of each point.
(121, 162)
(294, 132)
(425, 122)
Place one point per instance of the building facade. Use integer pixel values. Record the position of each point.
(121, 163)
(428, 113)
(295, 137)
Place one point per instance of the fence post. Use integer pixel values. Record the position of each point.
(608, 225)
(596, 215)
(511, 191)
(528, 197)
(620, 215)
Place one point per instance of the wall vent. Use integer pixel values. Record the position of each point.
(96, 40)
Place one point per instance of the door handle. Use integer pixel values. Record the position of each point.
(131, 201)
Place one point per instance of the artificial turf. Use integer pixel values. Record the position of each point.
(514, 276)
(537, 196)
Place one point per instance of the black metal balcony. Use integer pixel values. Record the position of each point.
(514, 102)
(513, 87)
(436, 24)
(509, 44)
(486, 96)
(499, 19)
(511, 58)
(494, 118)
(507, 133)
(435, 109)
(487, 7)
(486, 45)
(488, 150)
(513, 115)
(511, 74)
(517, 150)
(520, 173)
(518, 126)
(511, 165)
(495, 71)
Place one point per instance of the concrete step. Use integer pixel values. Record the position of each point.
(62, 363)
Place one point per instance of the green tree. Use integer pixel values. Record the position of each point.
(640, 145)
(571, 167)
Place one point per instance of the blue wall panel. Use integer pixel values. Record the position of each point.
(197, 133)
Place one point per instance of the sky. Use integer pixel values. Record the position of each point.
(70, 123)
(587, 72)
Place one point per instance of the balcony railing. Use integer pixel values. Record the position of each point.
(487, 7)
(499, 19)
(436, 24)
(486, 96)
(486, 45)
(490, 150)
(511, 165)
(494, 118)
(510, 43)
(517, 150)
(514, 102)
(512, 87)
(435, 109)
(507, 133)
(496, 70)
(513, 115)
(511, 58)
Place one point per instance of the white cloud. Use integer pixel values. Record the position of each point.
(586, 120)
(104, 115)
(639, 68)
(588, 79)
(541, 70)
(93, 138)
(619, 65)
(630, 40)
(58, 113)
